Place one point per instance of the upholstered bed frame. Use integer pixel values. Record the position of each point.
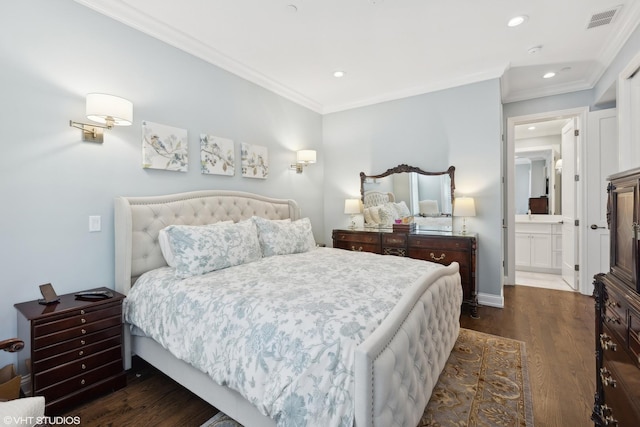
(396, 367)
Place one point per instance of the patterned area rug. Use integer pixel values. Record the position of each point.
(484, 383)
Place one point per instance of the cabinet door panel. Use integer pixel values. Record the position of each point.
(523, 249)
(541, 250)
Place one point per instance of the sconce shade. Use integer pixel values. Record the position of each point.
(352, 206)
(109, 110)
(306, 156)
(464, 206)
(559, 165)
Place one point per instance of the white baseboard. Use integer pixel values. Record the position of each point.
(491, 300)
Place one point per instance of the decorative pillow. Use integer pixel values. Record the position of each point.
(165, 247)
(402, 209)
(387, 214)
(375, 214)
(199, 250)
(368, 218)
(279, 238)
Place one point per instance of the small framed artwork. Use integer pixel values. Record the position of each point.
(164, 147)
(217, 155)
(255, 161)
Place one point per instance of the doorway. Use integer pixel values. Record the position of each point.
(538, 202)
(539, 256)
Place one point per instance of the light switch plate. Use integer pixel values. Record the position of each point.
(95, 223)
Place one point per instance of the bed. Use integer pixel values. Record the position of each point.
(395, 365)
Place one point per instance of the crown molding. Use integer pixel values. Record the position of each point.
(136, 19)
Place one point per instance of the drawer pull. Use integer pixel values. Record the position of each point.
(82, 381)
(83, 320)
(84, 366)
(612, 303)
(606, 378)
(84, 331)
(358, 249)
(435, 258)
(613, 320)
(80, 353)
(606, 343)
(82, 312)
(82, 342)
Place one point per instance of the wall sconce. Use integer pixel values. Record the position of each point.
(352, 207)
(109, 111)
(559, 166)
(304, 158)
(464, 207)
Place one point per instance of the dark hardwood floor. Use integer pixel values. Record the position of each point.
(556, 326)
(558, 329)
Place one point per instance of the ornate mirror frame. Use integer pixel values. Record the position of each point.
(406, 168)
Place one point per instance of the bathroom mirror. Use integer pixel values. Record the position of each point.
(428, 196)
(537, 179)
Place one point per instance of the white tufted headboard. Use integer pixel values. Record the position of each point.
(138, 221)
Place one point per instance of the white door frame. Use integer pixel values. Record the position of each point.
(581, 113)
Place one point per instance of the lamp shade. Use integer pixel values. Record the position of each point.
(464, 206)
(103, 108)
(306, 156)
(352, 206)
(559, 165)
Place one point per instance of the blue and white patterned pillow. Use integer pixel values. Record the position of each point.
(281, 238)
(165, 246)
(198, 250)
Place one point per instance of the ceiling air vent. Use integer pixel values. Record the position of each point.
(603, 18)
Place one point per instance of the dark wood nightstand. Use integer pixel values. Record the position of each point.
(73, 349)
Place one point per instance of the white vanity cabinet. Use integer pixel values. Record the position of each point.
(538, 247)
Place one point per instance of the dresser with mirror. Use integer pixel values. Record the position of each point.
(426, 197)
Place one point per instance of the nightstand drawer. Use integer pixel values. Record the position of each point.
(79, 318)
(76, 332)
(58, 359)
(76, 343)
(357, 246)
(77, 367)
(84, 380)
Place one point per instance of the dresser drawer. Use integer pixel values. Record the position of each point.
(394, 239)
(621, 384)
(440, 244)
(441, 256)
(83, 350)
(77, 367)
(364, 237)
(76, 332)
(77, 318)
(79, 382)
(614, 315)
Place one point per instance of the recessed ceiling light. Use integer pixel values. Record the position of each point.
(531, 128)
(549, 75)
(517, 20)
(338, 74)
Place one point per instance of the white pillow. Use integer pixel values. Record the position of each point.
(402, 209)
(165, 247)
(368, 218)
(387, 213)
(281, 238)
(375, 214)
(199, 250)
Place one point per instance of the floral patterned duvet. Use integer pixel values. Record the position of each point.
(282, 330)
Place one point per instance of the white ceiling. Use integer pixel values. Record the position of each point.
(389, 49)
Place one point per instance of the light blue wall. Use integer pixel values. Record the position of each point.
(459, 127)
(630, 49)
(53, 52)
